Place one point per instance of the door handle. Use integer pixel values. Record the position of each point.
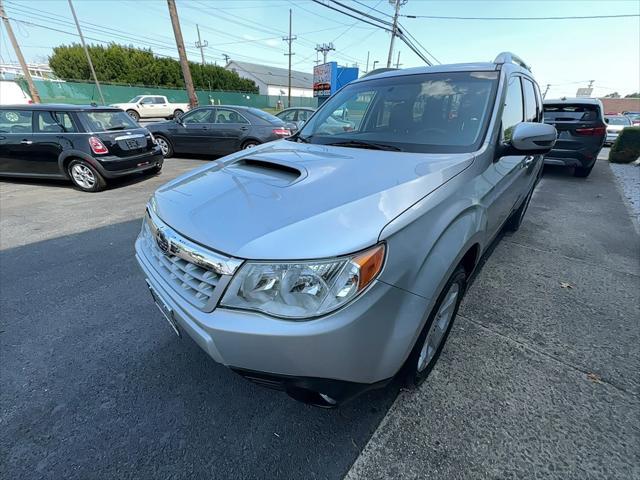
(26, 142)
(244, 128)
(527, 161)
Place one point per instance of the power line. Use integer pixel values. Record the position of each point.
(587, 17)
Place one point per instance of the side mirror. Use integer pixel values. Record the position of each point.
(529, 138)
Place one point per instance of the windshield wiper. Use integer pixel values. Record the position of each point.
(369, 145)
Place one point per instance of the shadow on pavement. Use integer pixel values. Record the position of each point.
(96, 385)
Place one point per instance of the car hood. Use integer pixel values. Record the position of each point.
(286, 200)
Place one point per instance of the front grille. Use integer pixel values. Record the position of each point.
(191, 270)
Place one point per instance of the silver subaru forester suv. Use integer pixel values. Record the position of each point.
(331, 262)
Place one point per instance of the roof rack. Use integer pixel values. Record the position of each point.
(508, 57)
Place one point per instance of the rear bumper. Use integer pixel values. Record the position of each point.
(113, 167)
(572, 158)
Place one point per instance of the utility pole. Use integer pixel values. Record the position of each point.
(398, 62)
(367, 69)
(289, 40)
(226, 57)
(25, 70)
(546, 90)
(324, 49)
(86, 52)
(186, 73)
(200, 44)
(394, 28)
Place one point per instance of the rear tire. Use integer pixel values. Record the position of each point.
(133, 114)
(84, 177)
(582, 172)
(428, 347)
(165, 145)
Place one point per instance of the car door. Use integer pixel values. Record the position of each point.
(16, 141)
(192, 134)
(147, 108)
(227, 132)
(506, 171)
(50, 139)
(162, 106)
(532, 113)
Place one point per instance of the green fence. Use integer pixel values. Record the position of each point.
(84, 93)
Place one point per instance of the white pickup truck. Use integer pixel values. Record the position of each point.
(152, 106)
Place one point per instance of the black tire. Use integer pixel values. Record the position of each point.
(516, 218)
(582, 172)
(156, 170)
(133, 114)
(250, 144)
(177, 113)
(410, 373)
(165, 144)
(85, 177)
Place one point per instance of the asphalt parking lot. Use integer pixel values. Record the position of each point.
(540, 378)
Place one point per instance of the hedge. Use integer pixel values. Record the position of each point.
(626, 148)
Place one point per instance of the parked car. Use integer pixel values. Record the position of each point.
(581, 132)
(218, 130)
(11, 93)
(326, 264)
(82, 143)
(296, 115)
(152, 106)
(634, 116)
(615, 124)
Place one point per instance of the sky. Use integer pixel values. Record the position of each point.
(566, 54)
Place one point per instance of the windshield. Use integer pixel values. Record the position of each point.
(433, 112)
(566, 112)
(106, 121)
(618, 120)
(135, 99)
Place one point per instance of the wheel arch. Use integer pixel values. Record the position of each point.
(68, 156)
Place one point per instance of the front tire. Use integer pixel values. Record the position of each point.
(165, 145)
(85, 177)
(133, 114)
(429, 345)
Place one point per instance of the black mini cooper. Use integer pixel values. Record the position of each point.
(83, 143)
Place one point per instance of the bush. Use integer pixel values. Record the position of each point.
(626, 148)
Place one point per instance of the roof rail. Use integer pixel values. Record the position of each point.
(508, 57)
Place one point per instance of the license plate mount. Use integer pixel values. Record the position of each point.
(166, 310)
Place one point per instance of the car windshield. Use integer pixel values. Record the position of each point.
(618, 120)
(135, 99)
(433, 112)
(106, 121)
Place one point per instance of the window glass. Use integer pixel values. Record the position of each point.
(618, 120)
(434, 112)
(513, 111)
(135, 99)
(158, 100)
(303, 115)
(15, 121)
(264, 115)
(289, 116)
(54, 122)
(146, 101)
(106, 121)
(567, 112)
(229, 116)
(530, 107)
(201, 115)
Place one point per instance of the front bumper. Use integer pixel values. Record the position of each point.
(365, 342)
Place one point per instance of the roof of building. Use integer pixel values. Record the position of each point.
(273, 75)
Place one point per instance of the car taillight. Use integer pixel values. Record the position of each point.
(97, 146)
(283, 132)
(591, 131)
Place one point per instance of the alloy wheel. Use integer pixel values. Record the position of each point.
(164, 146)
(439, 327)
(83, 176)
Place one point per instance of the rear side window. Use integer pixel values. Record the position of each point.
(570, 112)
(513, 112)
(54, 122)
(530, 105)
(229, 116)
(158, 100)
(16, 121)
(102, 121)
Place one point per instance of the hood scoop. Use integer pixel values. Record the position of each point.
(279, 174)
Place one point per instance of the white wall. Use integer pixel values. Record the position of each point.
(295, 92)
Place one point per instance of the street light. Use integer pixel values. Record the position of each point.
(374, 64)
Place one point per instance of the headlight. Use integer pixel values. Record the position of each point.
(299, 290)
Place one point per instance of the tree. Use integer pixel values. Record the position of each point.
(633, 95)
(612, 95)
(129, 65)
